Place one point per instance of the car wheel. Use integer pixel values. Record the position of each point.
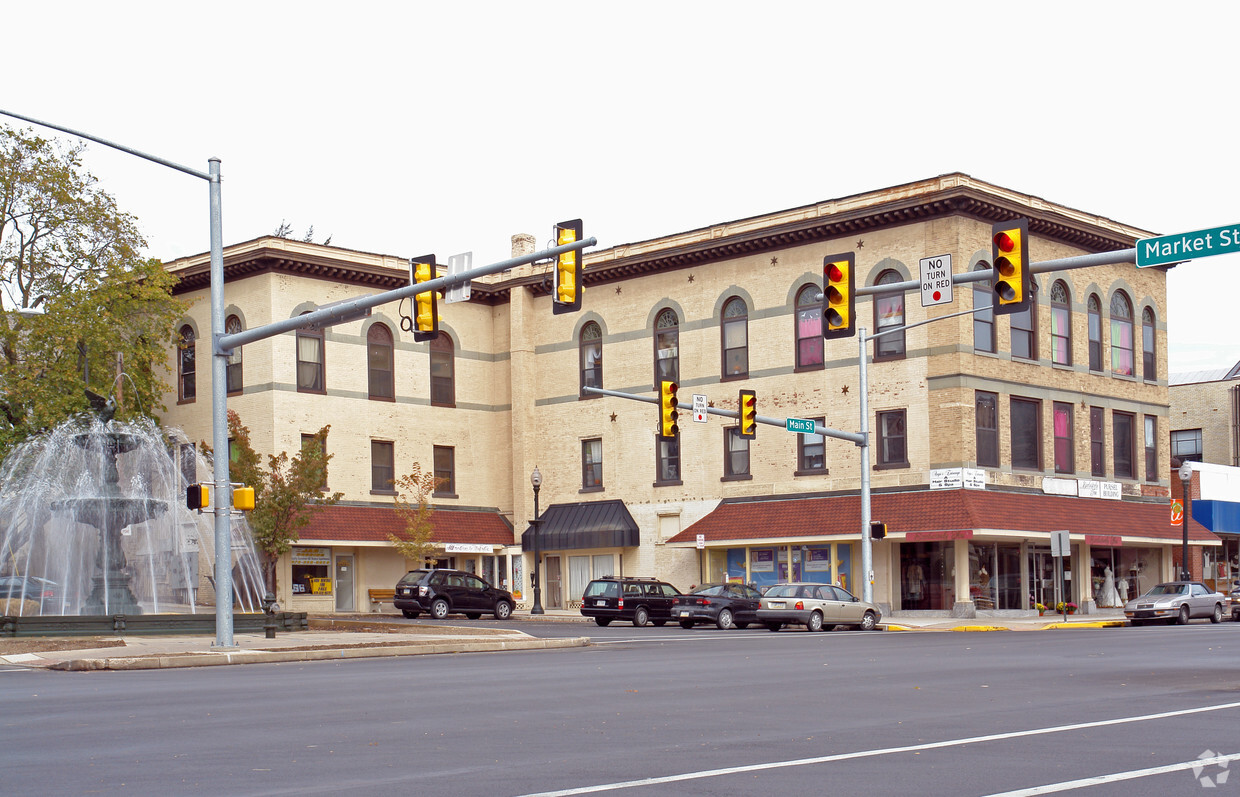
(774, 626)
(503, 610)
(724, 621)
(1137, 623)
(439, 608)
(869, 622)
(411, 615)
(1182, 617)
(814, 623)
(1217, 617)
(658, 623)
(1235, 617)
(473, 615)
(686, 623)
(602, 621)
(641, 617)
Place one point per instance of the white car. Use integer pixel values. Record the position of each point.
(1177, 602)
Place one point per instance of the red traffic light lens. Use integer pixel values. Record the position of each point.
(1004, 241)
(834, 274)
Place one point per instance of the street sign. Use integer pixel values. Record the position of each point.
(456, 265)
(1059, 544)
(1188, 245)
(799, 425)
(701, 541)
(936, 280)
(699, 408)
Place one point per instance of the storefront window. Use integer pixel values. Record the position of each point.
(995, 576)
(926, 576)
(311, 571)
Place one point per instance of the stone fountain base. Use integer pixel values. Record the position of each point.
(153, 624)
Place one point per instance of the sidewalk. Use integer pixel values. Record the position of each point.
(363, 636)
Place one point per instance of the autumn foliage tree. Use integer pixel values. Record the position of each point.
(413, 506)
(287, 492)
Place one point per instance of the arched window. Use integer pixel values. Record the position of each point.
(1121, 335)
(232, 325)
(983, 320)
(889, 313)
(735, 338)
(590, 346)
(443, 377)
(310, 366)
(381, 378)
(1094, 309)
(1061, 324)
(666, 347)
(809, 328)
(186, 385)
(1149, 367)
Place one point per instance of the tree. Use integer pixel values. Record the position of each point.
(414, 542)
(287, 492)
(67, 251)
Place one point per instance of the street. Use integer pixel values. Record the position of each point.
(654, 711)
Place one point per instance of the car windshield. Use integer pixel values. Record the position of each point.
(1169, 589)
(602, 589)
(708, 589)
(783, 591)
(413, 577)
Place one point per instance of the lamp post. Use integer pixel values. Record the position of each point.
(1186, 480)
(536, 482)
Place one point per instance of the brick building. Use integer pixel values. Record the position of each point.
(987, 433)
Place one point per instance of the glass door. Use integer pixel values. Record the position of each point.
(344, 583)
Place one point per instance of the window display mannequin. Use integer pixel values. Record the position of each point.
(1123, 590)
(1108, 597)
(915, 577)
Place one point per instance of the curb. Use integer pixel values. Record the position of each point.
(222, 658)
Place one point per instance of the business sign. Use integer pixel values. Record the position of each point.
(467, 547)
(1188, 245)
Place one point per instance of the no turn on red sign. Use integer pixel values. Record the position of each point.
(936, 280)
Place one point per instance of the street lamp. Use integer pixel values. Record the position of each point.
(536, 482)
(1186, 479)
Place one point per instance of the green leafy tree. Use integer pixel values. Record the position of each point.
(68, 252)
(287, 492)
(412, 499)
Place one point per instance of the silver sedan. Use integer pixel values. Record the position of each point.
(1177, 602)
(815, 606)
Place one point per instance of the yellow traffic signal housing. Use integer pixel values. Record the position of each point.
(668, 427)
(1010, 266)
(243, 498)
(566, 296)
(198, 496)
(748, 414)
(426, 303)
(839, 300)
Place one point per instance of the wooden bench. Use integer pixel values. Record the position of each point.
(378, 596)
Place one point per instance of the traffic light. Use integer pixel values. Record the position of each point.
(749, 414)
(566, 297)
(878, 529)
(426, 303)
(243, 498)
(839, 302)
(198, 496)
(668, 428)
(1010, 266)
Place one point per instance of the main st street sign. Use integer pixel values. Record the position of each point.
(1188, 245)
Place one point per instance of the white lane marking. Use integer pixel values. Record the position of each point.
(800, 762)
(1069, 785)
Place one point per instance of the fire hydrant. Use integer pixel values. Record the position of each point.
(270, 607)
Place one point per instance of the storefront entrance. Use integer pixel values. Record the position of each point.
(344, 583)
(555, 578)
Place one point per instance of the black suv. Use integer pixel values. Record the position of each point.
(641, 600)
(443, 592)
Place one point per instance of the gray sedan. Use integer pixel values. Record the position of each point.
(815, 606)
(1177, 602)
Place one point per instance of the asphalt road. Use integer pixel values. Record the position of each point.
(653, 712)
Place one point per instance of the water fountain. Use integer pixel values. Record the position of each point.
(93, 514)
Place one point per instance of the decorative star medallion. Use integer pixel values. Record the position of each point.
(774, 261)
(710, 403)
(617, 290)
(613, 417)
(690, 278)
(860, 244)
(844, 390)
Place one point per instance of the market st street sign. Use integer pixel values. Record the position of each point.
(1188, 245)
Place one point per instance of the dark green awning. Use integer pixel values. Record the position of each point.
(592, 524)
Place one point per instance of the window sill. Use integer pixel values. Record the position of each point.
(733, 377)
(186, 401)
(673, 483)
(598, 489)
(891, 466)
(444, 495)
(803, 368)
(741, 477)
(383, 492)
(813, 472)
(382, 398)
(308, 390)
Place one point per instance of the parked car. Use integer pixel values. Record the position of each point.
(442, 592)
(816, 606)
(726, 605)
(30, 588)
(1177, 602)
(1234, 597)
(639, 600)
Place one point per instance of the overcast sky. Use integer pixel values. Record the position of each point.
(406, 128)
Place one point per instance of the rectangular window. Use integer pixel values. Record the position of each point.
(1186, 445)
(1097, 445)
(669, 462)
(892, 451)
(445, 471)
(811, 452)
(1064, 448)
(592, 464)
(382, 467)
(1022, 334)
(1151, 448)
(1123, 444)
(1026, 434)
(987, 429)
(310, 362)
(1061, 331)
(736, 455)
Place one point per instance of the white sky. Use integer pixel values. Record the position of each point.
(406, 128)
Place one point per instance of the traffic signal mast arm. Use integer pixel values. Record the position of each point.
(852, 437)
